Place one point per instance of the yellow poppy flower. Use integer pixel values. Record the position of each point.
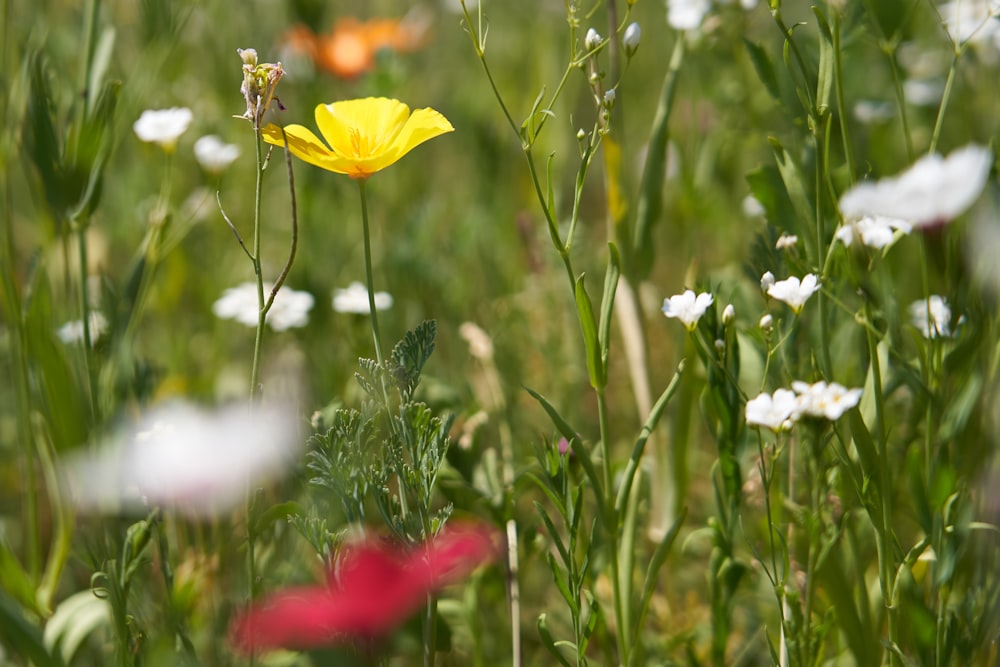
(364, 136)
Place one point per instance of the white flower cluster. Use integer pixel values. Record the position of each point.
(779, 411)
(290, 308)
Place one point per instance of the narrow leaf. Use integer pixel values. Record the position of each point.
(585, 310)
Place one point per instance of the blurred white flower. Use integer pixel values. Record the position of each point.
(786, 241)
(933, 190)
(971, 20)
(290, 308)
(875, 231)
(687, 14)
(72, 332)
(752, 208)
(870, 112)
(631, 39)
(766, 322)
(163, 126)
(828, 401)
(214, 155)
(480, 343)
(728, 314)
(923, 92)
(793, 292)
(766, 281)
(354, 299)
(931, 316)
(182, 456)
(774, 412)
(687, 307)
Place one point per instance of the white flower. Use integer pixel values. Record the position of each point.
(823, 400)
(631, 39)
(72, 332)
(766, 280)
(592, 40)
(687, 14)
(876, 231)
(773, 412)
(163, 126)
(213, 154)
(869, 112)
(971, 20)
(752, 208)
(728, 314)
(932, 316)
(480, 343)
(933, 190)
(687, 307)
(195, 460)
(793, 292)
(354, 299)
(766, 322)
(786, 241)
(290, 308)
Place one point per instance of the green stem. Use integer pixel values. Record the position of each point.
(885, 555)
(368, 272)
(88, 336)
(255, 389)
(945, 98)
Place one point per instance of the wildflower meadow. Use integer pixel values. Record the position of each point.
(500, 332)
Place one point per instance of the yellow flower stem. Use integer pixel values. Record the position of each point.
(255, 392)
(368, 272)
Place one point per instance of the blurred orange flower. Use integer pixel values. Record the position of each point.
(349, 49)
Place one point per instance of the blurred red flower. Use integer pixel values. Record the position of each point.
(349, 49)
(371, 590)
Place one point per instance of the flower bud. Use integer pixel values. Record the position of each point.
(592, 40)
(720, 346)
(767, 323)
(249, 56)
(729, 315)
(609, 98)
(581, 135)
(766, 281)
(630, 41)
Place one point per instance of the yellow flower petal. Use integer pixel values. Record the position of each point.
(306, 146)
(364, 136)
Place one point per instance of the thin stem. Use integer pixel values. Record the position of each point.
(620, 587)
(88, 336)
(945, 98)
(368, 272)
(255, 389)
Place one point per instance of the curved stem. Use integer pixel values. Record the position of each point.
(368, 272)
(255, 389)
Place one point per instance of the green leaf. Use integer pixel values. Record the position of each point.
(608, 302)
(548, 641)
(74, 620)
(585, 310)
(411, 354)
(649, 208)
(15, 580)
(653, 570)
(40, 140)
(827, 55)
(791, 176)
(765, 68)
(21, 636)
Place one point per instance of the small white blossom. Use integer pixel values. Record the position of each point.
(766, 281)
(875, 231)
(869, 112)
(354, 299)
(290, 308)
(932, 191)
(793, 292)
(825, 401)
(687, 307)
(687, 14)
(728, 314)
(214, 155)
(592, 40)
(631, 39)
(609, 98)
(195, 460)
(766, 323)
(72, 332)
(932, 316)
(163, 126)
(752, 208)
(480, 343)
(773, 412)
(971, 20)
(786, 241)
